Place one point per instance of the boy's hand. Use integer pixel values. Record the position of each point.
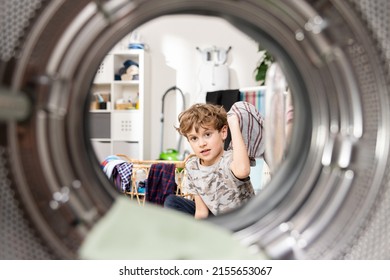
(240, 165)
(232, 118)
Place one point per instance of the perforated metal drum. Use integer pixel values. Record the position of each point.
(331, 196)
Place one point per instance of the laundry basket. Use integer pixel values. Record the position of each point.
(141, 169)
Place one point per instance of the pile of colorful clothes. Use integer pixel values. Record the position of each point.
(119, 172)
(156, 185)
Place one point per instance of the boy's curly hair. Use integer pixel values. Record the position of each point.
(201, 115)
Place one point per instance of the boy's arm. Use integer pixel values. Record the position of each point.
(240, 165)
(201, 210)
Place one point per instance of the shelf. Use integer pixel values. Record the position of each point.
(127, 52)
(100, 111)
(113, 130)
(101, 83)
(101, 139)
(130, 82)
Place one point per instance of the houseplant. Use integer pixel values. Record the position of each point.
(266, 59)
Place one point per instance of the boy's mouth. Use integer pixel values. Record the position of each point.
(205, 152)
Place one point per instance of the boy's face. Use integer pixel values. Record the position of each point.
(207, 144)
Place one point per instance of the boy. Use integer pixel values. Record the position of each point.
(218, 179)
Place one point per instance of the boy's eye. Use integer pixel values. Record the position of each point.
(193, 138)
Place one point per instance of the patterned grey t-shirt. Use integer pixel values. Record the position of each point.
(220, 190)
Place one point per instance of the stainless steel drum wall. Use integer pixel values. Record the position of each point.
(373, 240)
(18, 238)
(328, 200)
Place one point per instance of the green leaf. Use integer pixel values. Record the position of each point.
(261, 69)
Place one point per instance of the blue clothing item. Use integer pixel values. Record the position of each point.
(180, 204)
(141, 186)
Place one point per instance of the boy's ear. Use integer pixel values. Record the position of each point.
(224, 131)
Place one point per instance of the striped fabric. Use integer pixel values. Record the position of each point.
(255, 97)
(252, 129)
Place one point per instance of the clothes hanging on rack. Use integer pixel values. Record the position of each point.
(119, 172)
(125, 171)
(254, 96)
(160, 182)
(116, 179)
(109, 163)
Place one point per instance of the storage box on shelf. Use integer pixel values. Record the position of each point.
(119, 115)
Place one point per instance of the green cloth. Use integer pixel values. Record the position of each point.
(129, 231)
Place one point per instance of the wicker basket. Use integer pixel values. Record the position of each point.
(144, 167)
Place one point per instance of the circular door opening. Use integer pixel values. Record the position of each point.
(320, 198)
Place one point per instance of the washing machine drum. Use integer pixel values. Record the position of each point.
(329, 199)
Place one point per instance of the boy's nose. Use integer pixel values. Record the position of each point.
(202, 143)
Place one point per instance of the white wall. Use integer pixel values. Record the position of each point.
(174, 60)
